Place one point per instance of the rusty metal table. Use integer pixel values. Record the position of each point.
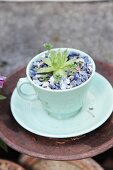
(23, 141)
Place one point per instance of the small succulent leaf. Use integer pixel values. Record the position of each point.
(48, 46)
(60, 72)
(52, 55)
(62, 60)
(45, 70)
(55, 65)
(57, 78)
(54, 60)
(59, 59)
(47, 61)
(2, 97)
(65, 56)
(3, 146)
(70, 62)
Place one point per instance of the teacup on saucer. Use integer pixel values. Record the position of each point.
(97, 108)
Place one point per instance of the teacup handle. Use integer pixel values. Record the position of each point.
(22, 82)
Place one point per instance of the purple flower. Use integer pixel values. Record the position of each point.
(2, 81)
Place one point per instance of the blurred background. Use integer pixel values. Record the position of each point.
(26, 26)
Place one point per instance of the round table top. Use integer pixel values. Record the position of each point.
(73, 148)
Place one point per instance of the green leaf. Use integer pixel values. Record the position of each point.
(2, 97)
(3, 145)
(47, 61)
(60, 59)
(65, 56)
(57, 78)
(70, 62)
(57, 62)
(60, 72)
(48, 46)
(54, 59)
(45, 70)
(52, 56)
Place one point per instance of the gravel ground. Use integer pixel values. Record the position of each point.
(25, 26)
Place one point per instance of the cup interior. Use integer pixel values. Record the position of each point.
(42, 54)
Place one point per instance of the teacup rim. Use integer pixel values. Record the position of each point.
(66, 90)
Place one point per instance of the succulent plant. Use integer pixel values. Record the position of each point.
(60, 69)
(57, 63)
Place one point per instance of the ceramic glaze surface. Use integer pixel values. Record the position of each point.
(61, 104)
(97, 108)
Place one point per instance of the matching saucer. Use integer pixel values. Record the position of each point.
(97, 108)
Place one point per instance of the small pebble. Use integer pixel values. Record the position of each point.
(73, 54)
(68, 87)
(36, 63)
(52, 86)
(73, 83)
(32, 73)
(71, 78)
(37, 82)
(45, 84)
(80, 60)
(36, 76)
(62, 86)
(67, 81)
(78, 82)
(57, 86)
(86, 59)
(76, 76)
(51, 80)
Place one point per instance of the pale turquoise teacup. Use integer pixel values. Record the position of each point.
(60, 104)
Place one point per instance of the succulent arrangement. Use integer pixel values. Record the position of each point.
(60, 70)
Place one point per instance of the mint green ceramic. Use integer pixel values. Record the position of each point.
(60, 104)
(97, 107)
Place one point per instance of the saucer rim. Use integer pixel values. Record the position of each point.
(104, 119)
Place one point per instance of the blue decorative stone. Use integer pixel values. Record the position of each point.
(73, 54)
(52, 86)
(32, 73)
(57, 85)
(63, 79)
(73, 83)
(84, 76)
(86, 59)
(63, 84)
(84, 67)
(76, 76)
(78, 82)
(57, 88)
